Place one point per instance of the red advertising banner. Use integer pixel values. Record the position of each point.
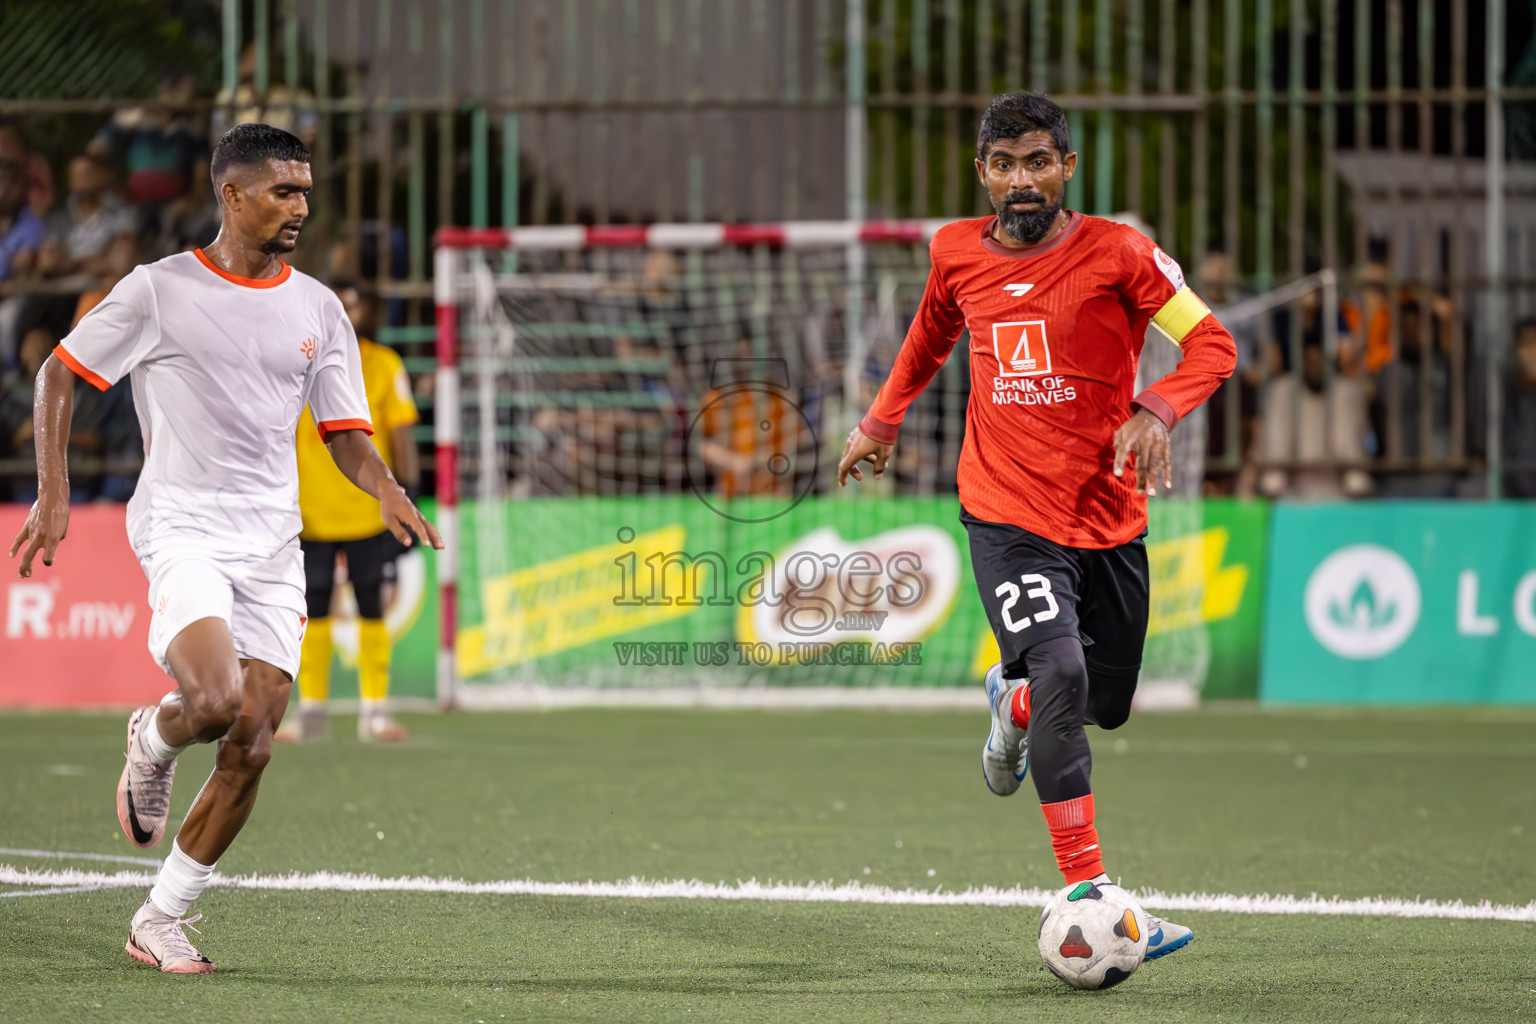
(76, 633)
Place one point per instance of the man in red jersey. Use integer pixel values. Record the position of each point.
(1057, 305)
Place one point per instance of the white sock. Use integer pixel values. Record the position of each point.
(368, 707)
(1101, 879)
(180, 880)
(154, 744)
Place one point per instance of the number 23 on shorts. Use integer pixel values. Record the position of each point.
(1035, 587)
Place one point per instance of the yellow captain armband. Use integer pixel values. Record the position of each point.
(1180, 314)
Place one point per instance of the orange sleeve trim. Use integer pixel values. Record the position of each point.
(330, 425)
(97, 380)
(246, 282)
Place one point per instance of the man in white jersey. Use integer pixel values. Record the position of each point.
(224, 346)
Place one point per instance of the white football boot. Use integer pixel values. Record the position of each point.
(1165, 937)
(308, 722)
(156, 938)
(144, 788)
(376, 725)
(1005, 758)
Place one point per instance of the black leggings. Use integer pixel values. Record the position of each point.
(370, 562)
(1067, 688)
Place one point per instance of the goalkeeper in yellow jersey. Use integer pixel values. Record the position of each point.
(340, 519)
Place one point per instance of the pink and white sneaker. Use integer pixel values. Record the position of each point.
(156, 938)
(144, 788)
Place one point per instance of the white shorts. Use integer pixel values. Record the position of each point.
(262, 601)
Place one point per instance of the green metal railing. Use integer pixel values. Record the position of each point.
(1217, 123)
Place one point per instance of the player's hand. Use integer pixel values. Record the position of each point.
(1145, 436)
(46, 525)
(862, 449)
(403, 519)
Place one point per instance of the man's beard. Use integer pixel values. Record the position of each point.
(279, 244)
(1027, 226)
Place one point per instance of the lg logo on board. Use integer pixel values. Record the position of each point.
(1363, 601)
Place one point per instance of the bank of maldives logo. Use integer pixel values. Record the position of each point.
(1021, 349)
(1362, 601)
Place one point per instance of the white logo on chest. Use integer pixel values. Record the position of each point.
(1021, 348)
(1017, 290)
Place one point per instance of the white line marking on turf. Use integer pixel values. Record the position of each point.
(109, 858)
(782, 892)
(51, 892)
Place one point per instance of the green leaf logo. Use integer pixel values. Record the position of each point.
(1362, 612)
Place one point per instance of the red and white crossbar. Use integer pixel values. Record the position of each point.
(809, 234)
(804, 234)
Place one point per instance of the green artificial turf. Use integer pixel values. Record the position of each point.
(1433, 804)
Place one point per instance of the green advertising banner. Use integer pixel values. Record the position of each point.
(1402, 602)
(666, 591)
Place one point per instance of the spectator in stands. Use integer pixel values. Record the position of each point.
(167, 160)
(1219, 287)
(1367, 311)
(94, 235)
(21, 235)
(1311, 432)
(1520, 416)
(293, 110)
(749, 434)
(105, 447)
(38, 175)
(1410, 410)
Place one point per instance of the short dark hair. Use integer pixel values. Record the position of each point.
(1015, 113)
(251, 145)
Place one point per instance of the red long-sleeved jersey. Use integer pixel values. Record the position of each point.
(1055, 334)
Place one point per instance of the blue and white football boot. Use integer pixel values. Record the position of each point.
(1165, 937)
(1005, 758)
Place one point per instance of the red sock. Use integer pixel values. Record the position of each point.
(1074, 838)
(1018, 706)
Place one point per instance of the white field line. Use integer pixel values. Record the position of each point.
(782, 892)
(109, 858)
(50, 891)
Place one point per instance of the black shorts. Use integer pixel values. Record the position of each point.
(370, 562)
(1036, 590)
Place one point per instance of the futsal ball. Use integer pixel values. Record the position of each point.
(1093, 936)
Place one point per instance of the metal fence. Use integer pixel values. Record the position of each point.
(1382, 139)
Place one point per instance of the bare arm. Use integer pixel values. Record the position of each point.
(360, 462)
(48, 522)
(402, 444)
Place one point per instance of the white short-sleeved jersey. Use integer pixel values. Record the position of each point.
(222, 367)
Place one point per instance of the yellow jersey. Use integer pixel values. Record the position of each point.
(332, 508)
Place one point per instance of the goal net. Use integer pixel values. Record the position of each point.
(638, 430)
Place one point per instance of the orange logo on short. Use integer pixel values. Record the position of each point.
(303, 625)
(308, 348)
(161, 606)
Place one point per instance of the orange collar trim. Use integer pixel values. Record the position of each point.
(246, 282)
